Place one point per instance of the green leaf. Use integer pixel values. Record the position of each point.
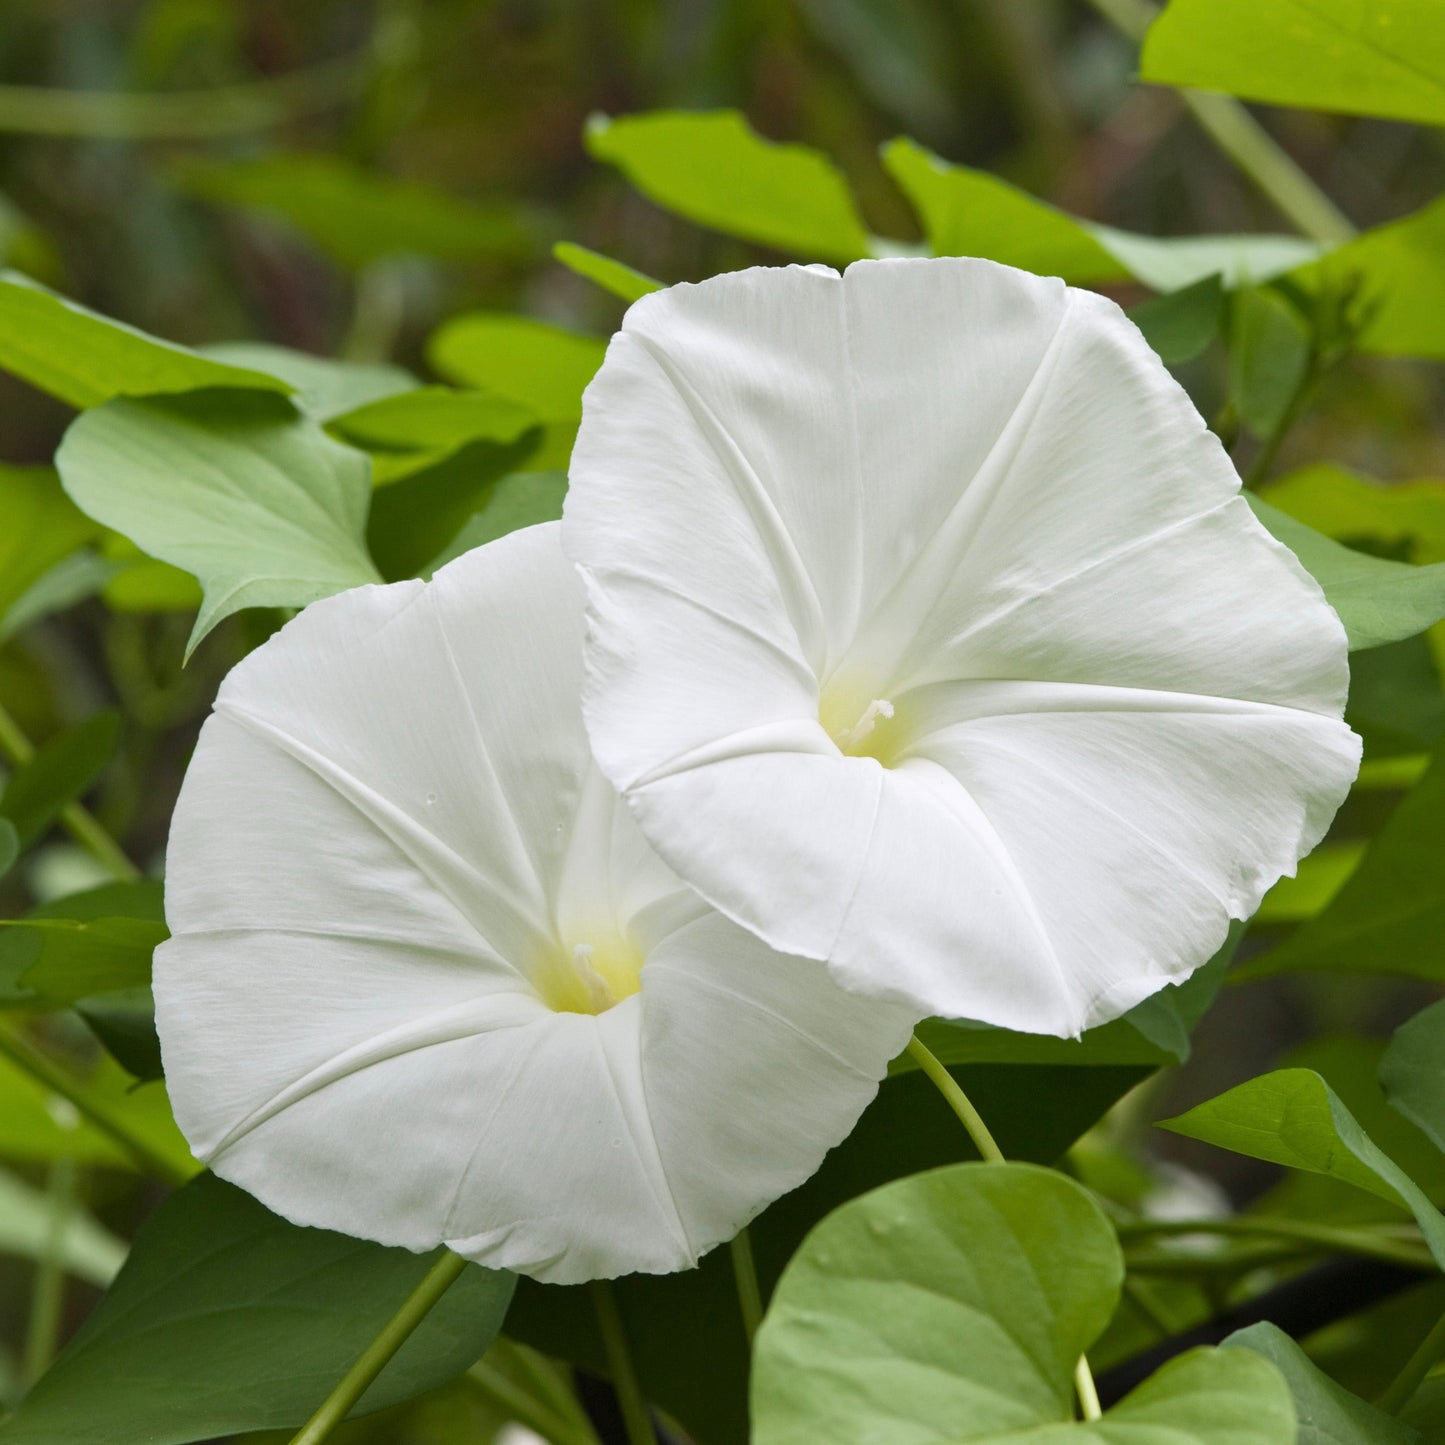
(1413, 1071)
(1327, 1413)
(85, 1249)
(1269, 357)
(414, 518)
(684, 1329)
(968, 212)
(83, 358)
(258, 503)
(9, 846)
(1386, 58)
(954, 1306)
(1321, 875)
(69, 581)
(124, 1020)
(324, 387)
(1379, 601)
(1180, 324)
(1293, 1117)
(1389, 915)
(539, 367)
(621, 280)
(1401, 296)
(1346, 506)
(520, 500)
(61, 771)
(227, 1318)
(434, 418)
(82, 944)
(358, 216)
(39, 527)
(713, 168)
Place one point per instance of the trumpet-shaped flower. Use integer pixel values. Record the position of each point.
(428, 984)
(929, 635)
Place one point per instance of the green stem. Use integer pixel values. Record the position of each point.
(1245, 141)
(375, 1357)
(79, 821)
(178, 115)
(47, 1298)
(957, 1100)
(525, 1408)
(988, 1148)
(1371, 1244)
(750, 1297)
(1085, 1389)
(100, 1112)
(636, 1418)
(1401, 1390)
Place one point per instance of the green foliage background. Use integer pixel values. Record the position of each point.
(457, 199)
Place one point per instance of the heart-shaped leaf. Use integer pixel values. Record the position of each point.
(258, 502)
(953, 1306)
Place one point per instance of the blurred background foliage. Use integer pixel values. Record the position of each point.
(342, 178)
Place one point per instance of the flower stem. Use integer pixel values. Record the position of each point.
(374, 1358)
(48, 1294)
(1245, 141)
(100, 1112)
(957, 1100)
(1399, 1392)
(987, 1146)
(79, 821)
(750, 1298)
(636, 1418)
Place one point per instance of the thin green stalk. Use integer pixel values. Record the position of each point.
(636, 1418)
(1245, 141)
(1401, 1390)
(1369, 1243)
(988, 1148)
(100, 1112)
(525, 1408)
(374, 1358)
(750, 1297)
(1086, 1390)
(957, 1100)
(79, 821)
(182, 114)
(47, 1298)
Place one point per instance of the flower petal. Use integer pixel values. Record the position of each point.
(391, 813)
(916, 481)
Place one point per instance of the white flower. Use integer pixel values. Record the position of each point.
(429, 985)
(929, 635)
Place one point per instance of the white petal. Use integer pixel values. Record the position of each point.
(392, 813)
(916, 481)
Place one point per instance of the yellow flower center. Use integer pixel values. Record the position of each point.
(861, 725)
(589, 977)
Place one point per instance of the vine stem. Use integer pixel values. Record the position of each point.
(1245, 141)
(987, 1146)
(79, 821)
(1367, 1243)
(178, 115)
(48, 1296)
(374, 1358)
(21, 1052)
(1399, 1392)
(750, 1297)
(636, 1419)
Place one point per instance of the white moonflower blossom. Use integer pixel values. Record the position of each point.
(427, 983)
(928, 635)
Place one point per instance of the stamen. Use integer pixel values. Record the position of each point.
(849, 739)
(599, 991)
